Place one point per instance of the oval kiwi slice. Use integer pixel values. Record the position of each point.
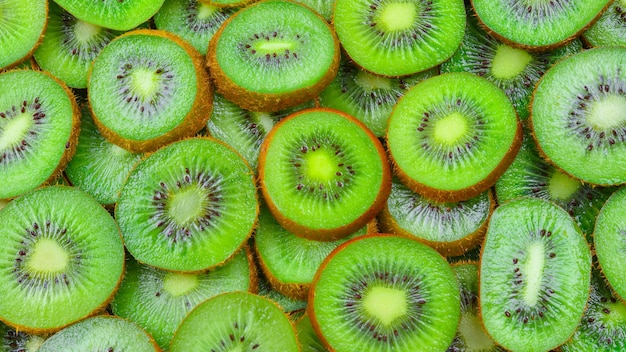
(451, 136)
(23, 25)
(246, 322)
(579, 120)
(120, 15)
(323, 174)
(610, 28)
(62, 260)
(534, 275)
(188, 206)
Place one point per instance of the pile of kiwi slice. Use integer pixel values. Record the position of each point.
(313, 175)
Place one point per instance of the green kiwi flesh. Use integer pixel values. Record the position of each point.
(119, 15)
(534, 275)
(62, 261)
(12, 340)
(579, 121)
(609, 29)
(307, 337)
(385, 293)
(23, 25)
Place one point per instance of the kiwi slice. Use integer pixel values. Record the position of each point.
(610, 28)
(247, 323)
(291, 306)
(12, 340)
(370, 98)
(537, 24)
(450, 228)
(142, 98)
(119, 15)
(309, 342)
(383, 293)
(192, 20)
(101, 333)
(99, 167)
(188, 206)
(22, 27)
(263, 62)
(323, 7)
(579, 120)
(63, 259)
(451, 136)
(323, 174)
(534, 275)
(159, 300)
(39, 125)
(398, 38)
(228, 3)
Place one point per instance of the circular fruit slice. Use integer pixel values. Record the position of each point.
(610, 240)
(323, 174)
(62, 258)
(534, 275)
(610, 28)
(188, 206)
(273, 55)
(142, 99)
(451, 136)
(246, 322)
(23, 25)
(385, 293)
(120, 15)
(579, 120)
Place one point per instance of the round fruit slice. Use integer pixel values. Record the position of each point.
(23, 25)
(579, 120)
(273, 55)
(451, 136)
(323, 174)
(534, 275)
(121, 15)
(610, 28)
(385, 293)
(246, 322)
(188, 206)
(62, 258)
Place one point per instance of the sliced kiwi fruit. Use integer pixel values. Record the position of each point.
(399, 38)
(263, 62)
(451, 136)
(537, 24)
(12, 340)
(247, 323)
(99, 167)
(383, 293)
(70, 45)
(309, 342)
(291, 306)
(121, 15)
(610, 28)
(450, 228)
(159, 300)
(323, 174)
(228, 3)
(39, 126)
(535, 272)
(323, 7)
(579, 120)
(22, 27)
(62, 260)
(368, 97)
(188, 206)
(142, 99)
(192, 20)
(101, 333)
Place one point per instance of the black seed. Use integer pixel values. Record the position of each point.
(507, 313)
(552, 255)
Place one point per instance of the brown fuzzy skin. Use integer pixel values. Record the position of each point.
(257, 101)
(327, 234)
(448, 249)
(195, 119)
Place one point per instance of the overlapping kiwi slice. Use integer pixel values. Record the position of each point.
(62, 260)
(323, 174)
(385, 293)
(12, 340)
(39, 125)
(142, 99)
(609, 29)
(120, 15)
(307, 337)
(451, 136)
(188, 206)
(579, 120)
(23, 25)
(291, 60)
(534, 275)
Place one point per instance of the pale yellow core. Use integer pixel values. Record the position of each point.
(186, 206)
(320, 166)
(15, 130)
(145, 82)
(265, 120)
(369, 81)
(450, 129)
(473, 334)
(617, 315)
(398, 16)
(34, 342)
(48, 257)
(236, 348)
(608, 113)
(205, 10)
(177, 284)
(562, 186)
(273, 46)
(84, 31)
(386, 304)
(509, 62)
(533, 270)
